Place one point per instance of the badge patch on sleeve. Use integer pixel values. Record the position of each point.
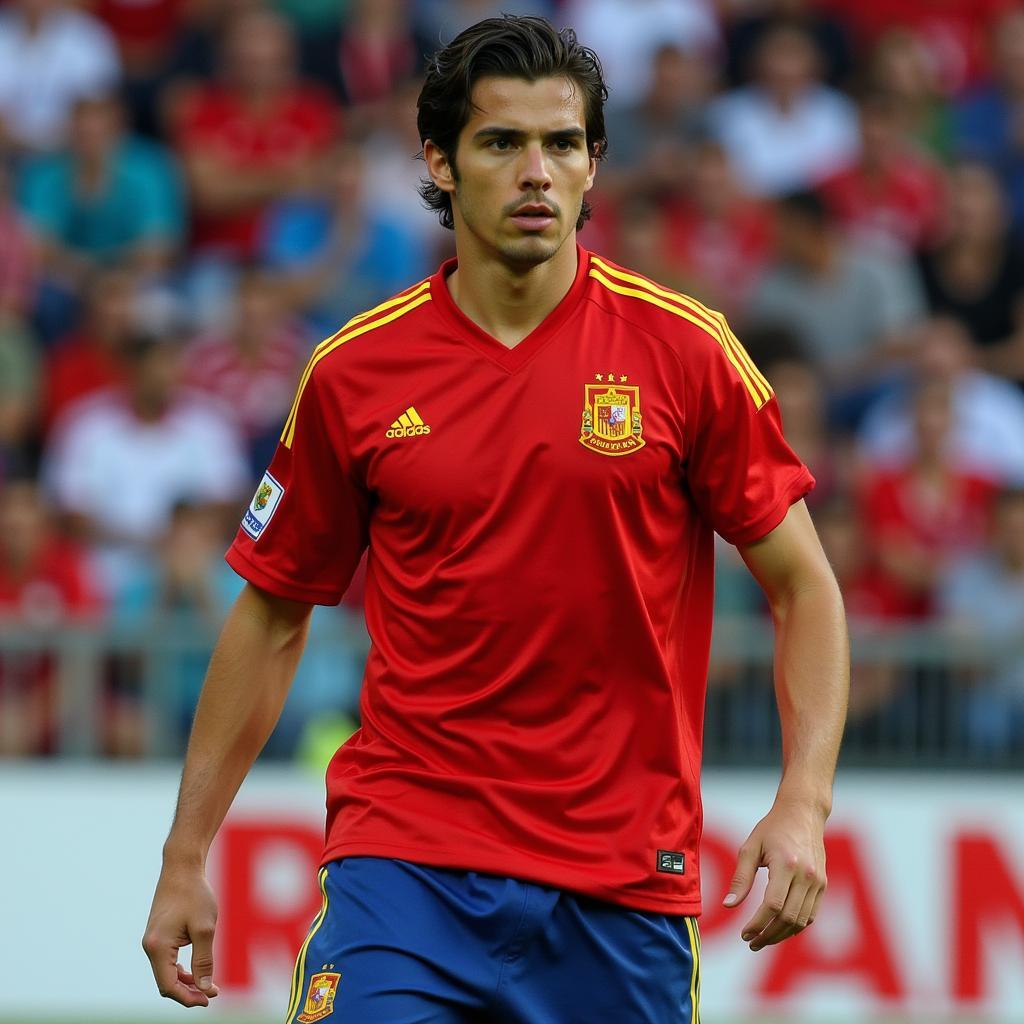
(262, 507)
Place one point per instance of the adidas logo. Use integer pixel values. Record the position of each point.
(409, 424)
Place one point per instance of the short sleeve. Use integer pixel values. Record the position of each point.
(741, 473)
(305, 528)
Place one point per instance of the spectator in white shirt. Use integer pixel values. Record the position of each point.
(786, 131)
(119, 462)
(627, 34)
(51, 54)
(988, 411)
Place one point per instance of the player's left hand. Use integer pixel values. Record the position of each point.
(789, 842)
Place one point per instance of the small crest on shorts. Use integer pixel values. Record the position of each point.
(612, 424)
(323, 987)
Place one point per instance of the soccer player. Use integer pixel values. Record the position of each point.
(536, 447)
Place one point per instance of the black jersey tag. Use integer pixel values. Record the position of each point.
(672, 862)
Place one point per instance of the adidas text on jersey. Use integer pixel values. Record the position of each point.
(409, 424)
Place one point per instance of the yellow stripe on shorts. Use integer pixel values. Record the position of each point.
(300, 962)
(691, 927)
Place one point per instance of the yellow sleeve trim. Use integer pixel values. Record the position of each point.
(300, 963)
(353, 329)
(710, 321)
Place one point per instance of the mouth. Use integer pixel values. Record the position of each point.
(533, 217)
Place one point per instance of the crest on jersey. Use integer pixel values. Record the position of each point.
(262, 507)
(323, 987)
(263, 496)
(612, 424)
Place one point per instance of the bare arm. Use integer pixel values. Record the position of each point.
(812, 682)
(248, 679)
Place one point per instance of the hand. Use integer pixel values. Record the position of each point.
(184, 912)
(789, 841)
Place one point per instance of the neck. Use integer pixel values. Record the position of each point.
(821, 260)
(92, 171)
(509, 301)
(149, 409)
(931, 466)
(18, 563)
(34, 21)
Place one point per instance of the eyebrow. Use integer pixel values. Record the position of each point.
(497, 132)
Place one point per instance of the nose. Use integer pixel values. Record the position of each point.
(534, 174)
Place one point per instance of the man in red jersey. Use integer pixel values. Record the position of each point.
(536, 446)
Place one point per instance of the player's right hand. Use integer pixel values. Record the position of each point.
(184, 913)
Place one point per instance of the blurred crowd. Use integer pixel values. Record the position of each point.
(194, 192)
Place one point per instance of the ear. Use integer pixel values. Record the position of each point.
(590, 175)
(438, 168)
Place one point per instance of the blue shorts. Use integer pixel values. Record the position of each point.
(401, 943)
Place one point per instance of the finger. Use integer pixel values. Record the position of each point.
(803, 919)
(202, 956)
(780, 878)
(817, 904)
(806, 916)
(189, 979)
(747, 863)
(185, 991)
(163, 959)
(784, 923)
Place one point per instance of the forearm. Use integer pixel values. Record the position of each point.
(812, 684)
(246, 685)
(218, 189)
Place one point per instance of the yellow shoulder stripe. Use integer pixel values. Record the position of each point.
(409, 293)
(713, 316)
(300, 962)
(712, 322)
(353, 329)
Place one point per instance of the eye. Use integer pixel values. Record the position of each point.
(502, 145)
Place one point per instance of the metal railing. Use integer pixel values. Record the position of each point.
(920, 697)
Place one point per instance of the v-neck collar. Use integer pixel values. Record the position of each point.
(509, 359)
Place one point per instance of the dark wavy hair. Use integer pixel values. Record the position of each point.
(512, 46)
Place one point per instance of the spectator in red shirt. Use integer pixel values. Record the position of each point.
(720, 238)
(89, 359)
(893, 194)
(369, 54)
(252, 136)
(253, 364)
(44, 581)
(146, 32)
(921, 515)
(952, 31)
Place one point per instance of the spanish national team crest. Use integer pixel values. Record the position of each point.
(612, 424)
(323, 987)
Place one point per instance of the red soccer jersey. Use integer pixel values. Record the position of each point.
(539, 585)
